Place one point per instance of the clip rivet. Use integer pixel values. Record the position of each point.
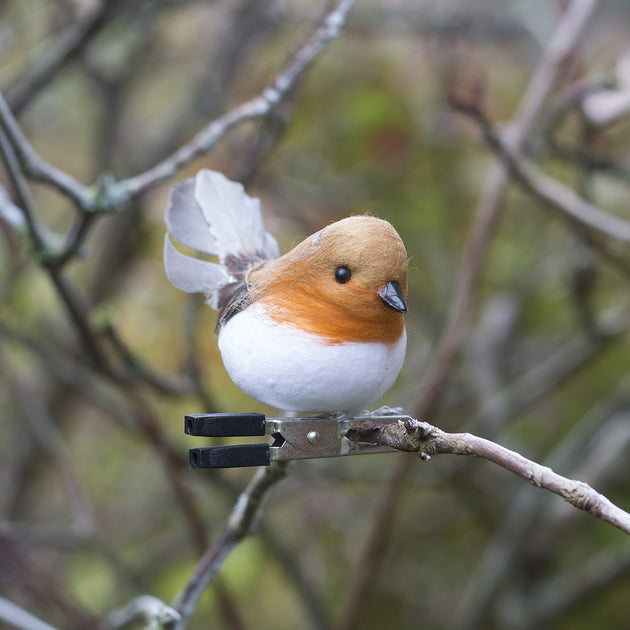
(313, 437)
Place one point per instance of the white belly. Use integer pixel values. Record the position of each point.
(291, 370)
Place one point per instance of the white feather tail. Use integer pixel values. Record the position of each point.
(212, 215)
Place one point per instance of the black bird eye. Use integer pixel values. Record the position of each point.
(342, 274)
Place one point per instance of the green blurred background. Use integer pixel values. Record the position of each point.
(97, 505)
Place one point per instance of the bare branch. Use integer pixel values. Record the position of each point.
(22, 191)
(563, 42)
(134, 369)
(17, 617)
(240, 524)
(34, 166)
(541, 185)
(44, 432)
(426, 440)
(170, 458)
(108, 195)
(147, 609)
(33, 577)
(256, 108)
(250, 22)
(78, 313)
(69, 44)
(74, 240)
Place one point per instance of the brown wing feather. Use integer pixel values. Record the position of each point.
(235, 296)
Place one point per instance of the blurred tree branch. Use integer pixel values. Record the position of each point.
(146, 609)
(546, 188)
(22, 162)
(240, 524)
(68, 382)
(560, 46)
(17, 617)
(68, 45)
(108, 195)
(21, 159)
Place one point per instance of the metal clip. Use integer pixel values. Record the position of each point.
(293, 437)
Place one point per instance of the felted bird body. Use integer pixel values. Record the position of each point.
(319, 329)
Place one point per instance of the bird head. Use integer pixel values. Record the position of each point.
(345, 283)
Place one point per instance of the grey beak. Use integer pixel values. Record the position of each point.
(392, 296)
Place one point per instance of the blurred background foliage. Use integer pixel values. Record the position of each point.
(96, 503)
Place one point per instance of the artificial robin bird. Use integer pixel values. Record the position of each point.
(319, 329)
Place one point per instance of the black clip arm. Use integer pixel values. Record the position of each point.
(227, 425)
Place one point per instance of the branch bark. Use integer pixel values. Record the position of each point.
(423, 438)
(240, 524)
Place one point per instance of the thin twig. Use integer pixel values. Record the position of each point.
(256, 108)
(68, 370)
(79, 315)
(541, 185)
(426, 440)
(74, 240)
(564, 40)
(35, 167)
(250, 21)
(42, 249)
(72, 302)
(524, 516)
(170, 458)
(146, 609)
(35, 578)
(241, 523)
(23, 193)
(47, 437)
(70, 536)
(17, 617)
(66, 46)
(134, 369)
(109, 195)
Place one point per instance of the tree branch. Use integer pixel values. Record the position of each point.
(426, 440)
(23, 194)
(35, 167)
(65, 47)
(546, 188)
(17, 617)
(256, 108)
(108, 195)
(240, 524)
(146, 609)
